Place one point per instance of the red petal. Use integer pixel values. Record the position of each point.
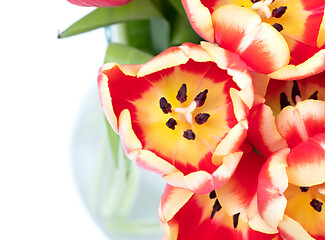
(262, 131)
(306, 162)
(193, 221)
(272, 182)
(244, 34)
(297, 124)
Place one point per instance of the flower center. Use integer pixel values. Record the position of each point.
(295, 96)
(305, 206)
(185, 112)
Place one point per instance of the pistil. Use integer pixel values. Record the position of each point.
(187, 112)
(263, 7)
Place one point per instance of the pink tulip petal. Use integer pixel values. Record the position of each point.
(272, 183)
(297, 124)
(306, 162)
(185, 216)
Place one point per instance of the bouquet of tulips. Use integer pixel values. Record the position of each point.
(226, 101)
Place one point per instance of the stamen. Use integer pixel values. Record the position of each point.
(317, 205)
(189, 134)
(181, 94)
(200, 98)
(278, 12)
(295, 92)
(304, 189)
(314, 95)
(216, 208)
(254, 1)
(201, 118)
(165, 106)
(213, 194)
(235, 220)
(284, 100)
(278, 26)
(171, 123)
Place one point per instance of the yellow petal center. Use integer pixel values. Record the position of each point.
(170, 143)
(299, 208)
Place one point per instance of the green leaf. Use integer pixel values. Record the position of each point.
(179, 7)
(135, 10)
(124, 54)
(137, 34)
(160, 34)
(183, 32)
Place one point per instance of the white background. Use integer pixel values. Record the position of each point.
(42, 83)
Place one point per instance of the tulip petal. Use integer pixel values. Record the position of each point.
(312, 66)
(306, 162)
(239, 193)
(297, 124)
(262, 130)
(272, 183)
(193, 220)
(200, 18)
(291, 230)
(245, 34)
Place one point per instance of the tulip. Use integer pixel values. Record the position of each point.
(289, 130)
(268, 35)
(99, 3)
(183, 114)
(222, 214)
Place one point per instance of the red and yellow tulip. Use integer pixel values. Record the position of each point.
(267, 35)
(183, 114)
(289, 130)
(222, 214)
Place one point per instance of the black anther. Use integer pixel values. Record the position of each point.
(181, 94)
(295, 91)
(200, 98)
(284, 100)
(171, 123)
(278, 26)
(201, 118)
(165, 106)
(317, 205)
(189, 134)
(216, 208)
(278, 12)
(235, 219)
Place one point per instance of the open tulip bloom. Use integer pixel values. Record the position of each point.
(183, 114)
(282, 31)
(235, 125)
